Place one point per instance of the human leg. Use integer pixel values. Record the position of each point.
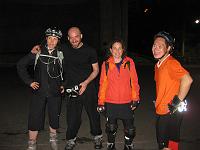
(35, 120)
(54, 107)
(70, 144)
(174, 128)
(89, 100)
(111, 130)
(90, 103)
(129, 133)
(162, 131)
(73, 117)
(53, 139)
(32, 140)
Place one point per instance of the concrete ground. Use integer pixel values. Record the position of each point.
(14, 98)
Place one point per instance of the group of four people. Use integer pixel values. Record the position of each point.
(59, 67)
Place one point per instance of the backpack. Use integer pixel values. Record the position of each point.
(59, 56)
(107, 66)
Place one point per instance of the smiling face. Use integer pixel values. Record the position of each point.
(52, 41)
(159, 48)
(75, 37)
(117, 51)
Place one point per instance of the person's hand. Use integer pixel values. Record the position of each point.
(100, 108)
(62, 90)
(134, 105)
(36, 49)
(83, 86)
(34, 85)
(173, 107)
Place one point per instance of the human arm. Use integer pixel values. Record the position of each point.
(22, 68)
(62, 90)
(102, 90)
(135, 104)
(134, 86)
(36, 49)
(102, 85)
(179, 99)
(35, 85)
(92, 76)
(179, 74)
(134, 82)
(183, 77)
(185, 84)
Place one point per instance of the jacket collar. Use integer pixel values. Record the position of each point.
(111, 60)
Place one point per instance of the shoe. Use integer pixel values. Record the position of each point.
(53, 141)
(111, 146)
(129, 147)
(70, 144)
(32, 145)
(98, 141)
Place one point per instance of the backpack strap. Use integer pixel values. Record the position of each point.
(36, 59)
(107, 67)
(127, 63)
(60, 56)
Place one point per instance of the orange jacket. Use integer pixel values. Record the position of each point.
(167, 78)
(118, 87)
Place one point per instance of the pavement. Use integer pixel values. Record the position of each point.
(14, 98)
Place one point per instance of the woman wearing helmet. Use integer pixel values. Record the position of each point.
(172, 85)
(46, 86)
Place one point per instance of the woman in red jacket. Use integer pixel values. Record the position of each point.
(118, 93)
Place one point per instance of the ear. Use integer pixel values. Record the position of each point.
(111, 50)
(169, 48)
(81, 36)
(68, 38)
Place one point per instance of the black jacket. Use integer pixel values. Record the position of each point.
(47, 73)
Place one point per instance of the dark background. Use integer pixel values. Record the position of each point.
(173, 16)
(23, 24)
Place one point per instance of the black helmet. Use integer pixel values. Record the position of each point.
(53, 32)
(170, 40)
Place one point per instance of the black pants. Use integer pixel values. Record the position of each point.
(115, 112)
(168, 127)
(128, 125)
(74, 110)
(37, 112)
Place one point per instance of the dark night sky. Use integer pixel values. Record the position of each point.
(32, 18)
(168, 15)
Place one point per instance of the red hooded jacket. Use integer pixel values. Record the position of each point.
(118, 86)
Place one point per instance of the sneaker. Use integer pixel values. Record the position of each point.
(98, 141)
(111, 146)
(70, 144)
(53, 141)
(128, 147)
(32, 145)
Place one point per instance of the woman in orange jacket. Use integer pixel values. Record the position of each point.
(118, 93)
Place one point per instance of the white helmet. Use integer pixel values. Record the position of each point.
(53, 32)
